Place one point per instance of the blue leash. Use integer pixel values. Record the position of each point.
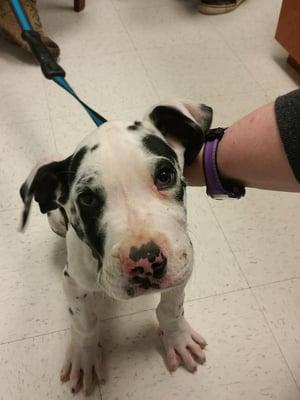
(50, 68)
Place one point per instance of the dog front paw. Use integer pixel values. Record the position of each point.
(82, 367)
(183, 346)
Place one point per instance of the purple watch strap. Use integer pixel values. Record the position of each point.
(214, 186)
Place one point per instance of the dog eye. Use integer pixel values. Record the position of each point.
(165, 178)
(88, 199)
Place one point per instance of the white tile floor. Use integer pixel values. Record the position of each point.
(122, 56)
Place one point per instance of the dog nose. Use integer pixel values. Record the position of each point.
(159, 268)
(147, 251)
(147, 265)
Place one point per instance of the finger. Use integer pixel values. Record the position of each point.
(197, 352)
(66, 368)
(88, 384)
(65, 371)
(173, 361)
(199, 339)
(187, 359)
(98, 372)
(75, 379)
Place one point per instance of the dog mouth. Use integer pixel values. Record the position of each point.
(134, 288)
(147, 275)
(150, 285)
(140, 285)
(142, 279)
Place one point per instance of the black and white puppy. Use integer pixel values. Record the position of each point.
(120, 202)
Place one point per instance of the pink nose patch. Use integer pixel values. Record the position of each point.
(145, 267)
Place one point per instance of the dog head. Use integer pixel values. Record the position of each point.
(123, 193)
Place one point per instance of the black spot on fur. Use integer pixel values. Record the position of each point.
(157, 146)
(45, 184)
(66, 274)
(171, 122)
(149, 251)
(70, 311)
(75, 163)
(64, 214)
(135, 126)
(47, 180)
(94, 234)
(179, 196)
(132, 127)
(85, 295)
(95, 147)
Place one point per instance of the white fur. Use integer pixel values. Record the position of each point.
(135, 213)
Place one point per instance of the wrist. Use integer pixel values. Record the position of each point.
(224, 159)
(217, 186)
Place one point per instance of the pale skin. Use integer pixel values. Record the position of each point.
(251, 152)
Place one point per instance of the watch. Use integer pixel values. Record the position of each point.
(216, 187)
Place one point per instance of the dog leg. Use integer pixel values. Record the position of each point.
(82, 364)
(182, 344)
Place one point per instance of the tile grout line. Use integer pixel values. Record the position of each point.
(257, 302)
(24, 122)
(249, 71)
(49, 116)
(189, 301)
(228, 244)
(44, 335)
(234, 52)
(137, 53)
(4, 343)
(275, 339)
(196, 299)
(129, 314)
(260, 285)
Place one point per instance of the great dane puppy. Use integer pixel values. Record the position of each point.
(119, 200)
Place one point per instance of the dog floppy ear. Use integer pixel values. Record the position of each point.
(185, 121)
(48, 185)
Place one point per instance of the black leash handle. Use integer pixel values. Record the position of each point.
(49, 66)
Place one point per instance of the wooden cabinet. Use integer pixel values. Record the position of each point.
(288, 30)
